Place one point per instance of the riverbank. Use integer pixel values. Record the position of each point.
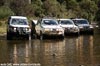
(3, 26)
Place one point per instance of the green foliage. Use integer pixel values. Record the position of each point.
(38, 10)
(71, 4)
(5, 12)
(88, 9)
(21, 7)
(56, 8)
(0, 24)
(18, 6)
(52, 8)
(98, 16)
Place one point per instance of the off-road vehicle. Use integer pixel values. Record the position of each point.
(17, 26)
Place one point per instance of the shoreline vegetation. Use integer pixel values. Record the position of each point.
(3, 26)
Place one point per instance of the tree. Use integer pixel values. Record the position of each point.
(71, 4)
(5, 12)
(38, 8)
(97, 17)
(51, 7)
(21, 7)
(60, 1)
(1, 2)
(90, 10)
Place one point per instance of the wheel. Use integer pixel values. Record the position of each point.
(27, 36)
(77, 33)
(92, 32)
(62, 36)
(9, 36)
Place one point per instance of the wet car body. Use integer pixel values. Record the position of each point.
(68, 26)
(84, 25)
(17, 26)
(48, 27)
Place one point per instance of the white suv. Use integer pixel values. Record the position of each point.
(49, 27)
(17, 26)
(68, 26)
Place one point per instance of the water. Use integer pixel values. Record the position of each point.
(72, 51)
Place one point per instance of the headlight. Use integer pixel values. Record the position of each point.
(75, 27)
(80, 26)
(46, 29)
(91, 26)
(59, 29)
(14, 28)
(27, 29)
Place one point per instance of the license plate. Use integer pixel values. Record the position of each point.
(54, 30)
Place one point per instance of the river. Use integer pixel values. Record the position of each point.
(83, 50)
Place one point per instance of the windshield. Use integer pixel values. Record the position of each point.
(80, 21)
(67, 22)
(49, 22)
(19, 22)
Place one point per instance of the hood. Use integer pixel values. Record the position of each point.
(51, 26)
(67, 26)
(19, 25)
(83, 25)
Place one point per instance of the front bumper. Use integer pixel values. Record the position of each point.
(53, 32)
(86, 29)
(20, 32)
(71, 30)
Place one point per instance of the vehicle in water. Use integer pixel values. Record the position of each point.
(84, 25)
(17, 26)
(68, 26)
(48, 27)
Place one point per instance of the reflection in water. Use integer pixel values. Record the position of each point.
(85, 50)
(72, 51)
(53, 53)
(19, 51)
(15, 54)
(3, 52)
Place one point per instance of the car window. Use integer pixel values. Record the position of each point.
(67, 22)
(49, 22)
(80, 21)
(19, 22)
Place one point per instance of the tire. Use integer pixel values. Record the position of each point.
(77, 33)
(61, 36)
(9, 36)
(92, 32)
(27, 36)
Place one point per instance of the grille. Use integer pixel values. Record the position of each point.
(21, 29)
(54, 30)
(86, 27)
